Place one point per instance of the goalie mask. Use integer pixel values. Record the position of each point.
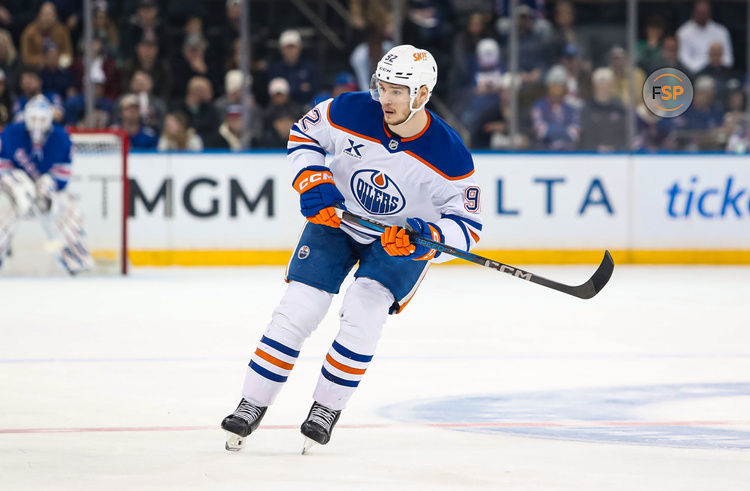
(408, 66)
(37, 114)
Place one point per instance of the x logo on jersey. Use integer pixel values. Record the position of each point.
(353, 150)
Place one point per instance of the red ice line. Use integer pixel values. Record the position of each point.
(520, 424)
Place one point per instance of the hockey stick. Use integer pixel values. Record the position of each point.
(586, 290)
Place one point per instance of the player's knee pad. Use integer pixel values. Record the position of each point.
(363, 314)
(298, 314)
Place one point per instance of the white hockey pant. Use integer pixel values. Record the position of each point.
(362, 316)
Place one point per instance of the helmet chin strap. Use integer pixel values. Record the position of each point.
(412, 110)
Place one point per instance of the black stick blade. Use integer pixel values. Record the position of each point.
(597, 281)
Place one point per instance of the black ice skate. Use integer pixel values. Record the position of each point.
(318, 426)
(243, 421)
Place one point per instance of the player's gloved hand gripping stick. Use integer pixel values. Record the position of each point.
(586, 290)
(318, 195)
(397, 241)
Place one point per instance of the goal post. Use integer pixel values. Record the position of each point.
(101, 185)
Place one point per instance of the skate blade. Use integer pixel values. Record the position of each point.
(234, 442)
(309, 443)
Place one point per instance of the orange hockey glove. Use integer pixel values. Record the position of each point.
(396, 240)
(318, 194)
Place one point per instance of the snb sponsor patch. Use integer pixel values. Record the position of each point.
(376, 192)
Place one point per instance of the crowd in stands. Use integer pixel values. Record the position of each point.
(167, 72)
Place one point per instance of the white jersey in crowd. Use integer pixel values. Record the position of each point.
(695, 41)
(387, 178)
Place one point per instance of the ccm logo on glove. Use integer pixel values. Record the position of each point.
(309, 179)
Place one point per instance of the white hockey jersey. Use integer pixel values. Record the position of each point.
(387, 178)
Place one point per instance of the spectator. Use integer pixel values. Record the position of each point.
(652, 132)
(699, 127)
(622, 69)
(75, 106)
(258, 72)
(486, 84)
(31, 85)
(192, 64)
(144, 24)
(532, 58)
(229, 134)
(142, 137)
(46, 27)
(603, 118)
(280, 115)
(650, 49)
(365, 56)
(556, 123)
(344, 82)
(427, 24)
(698, 34)
(178, 135)
(669, 55)
(565, 32)
(55, 79)
(718, 72)
(233, 96)
(147, 59)
(105, 30)
(739, 142)
(151, 108)
(232, 91)
(299, 72)
(102, 60)
(578, 73)
(201, 114)
(6, 106)
(230, 28)
(463, 64)
(735, 109)
(9, 61)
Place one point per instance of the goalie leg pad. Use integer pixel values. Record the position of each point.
(21, 190)
(8, 220)
(300, 311)
(64, 228)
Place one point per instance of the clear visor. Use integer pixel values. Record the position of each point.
(374, 88)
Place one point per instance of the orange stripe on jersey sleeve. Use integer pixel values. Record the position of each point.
(474, 236)
(294, 138)
(274, 360)
(344, 368)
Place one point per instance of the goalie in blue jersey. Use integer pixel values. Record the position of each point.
(35, 163)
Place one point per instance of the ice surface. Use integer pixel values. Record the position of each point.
(484, 382)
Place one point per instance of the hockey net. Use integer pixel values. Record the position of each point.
(99, 187)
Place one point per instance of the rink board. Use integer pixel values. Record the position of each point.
(231, 209)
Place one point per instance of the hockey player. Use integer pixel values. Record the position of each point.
(395, 162)
(35, 162)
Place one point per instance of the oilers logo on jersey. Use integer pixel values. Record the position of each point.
(376, 192)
